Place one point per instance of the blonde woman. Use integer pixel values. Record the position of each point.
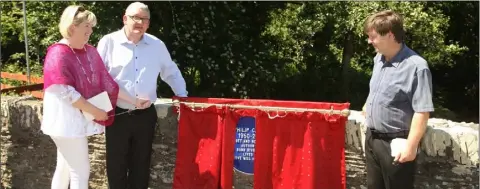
(73, 72)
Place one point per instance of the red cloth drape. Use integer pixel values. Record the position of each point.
(200, 160)
(296, 150)
(300, 151)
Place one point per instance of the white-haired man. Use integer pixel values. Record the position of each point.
(135, 59)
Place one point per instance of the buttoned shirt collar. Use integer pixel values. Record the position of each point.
(122, 38)
(398, 58)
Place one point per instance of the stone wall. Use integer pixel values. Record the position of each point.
(448, 158)
(443, 139)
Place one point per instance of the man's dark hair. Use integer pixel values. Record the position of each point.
(386, 21)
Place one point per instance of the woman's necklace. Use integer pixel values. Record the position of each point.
(80, 63)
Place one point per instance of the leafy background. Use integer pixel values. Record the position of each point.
(308, 51)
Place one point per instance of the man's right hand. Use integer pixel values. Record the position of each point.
(142, 103)
(100, 115)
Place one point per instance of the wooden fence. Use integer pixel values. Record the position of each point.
(35, 88)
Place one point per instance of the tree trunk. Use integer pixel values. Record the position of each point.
(346, 58)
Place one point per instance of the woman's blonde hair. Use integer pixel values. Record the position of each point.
(75, 15)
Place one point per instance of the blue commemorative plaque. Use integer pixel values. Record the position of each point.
(245, 145)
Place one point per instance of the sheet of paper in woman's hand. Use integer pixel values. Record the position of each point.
(101, 101)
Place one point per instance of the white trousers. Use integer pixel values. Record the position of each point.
(73, 164)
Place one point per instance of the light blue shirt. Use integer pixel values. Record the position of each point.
(136, 67)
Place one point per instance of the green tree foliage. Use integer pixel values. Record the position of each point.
(315, 51)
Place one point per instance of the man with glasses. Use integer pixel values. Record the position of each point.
(135, 59)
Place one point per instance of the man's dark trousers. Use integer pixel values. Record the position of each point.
(129, 148)
(381, 172)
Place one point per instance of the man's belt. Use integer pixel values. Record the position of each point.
(379, 135)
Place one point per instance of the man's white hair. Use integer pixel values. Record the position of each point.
(137, 5)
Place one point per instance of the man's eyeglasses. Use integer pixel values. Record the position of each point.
(138, 19)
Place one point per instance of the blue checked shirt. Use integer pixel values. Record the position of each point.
(398, 89)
